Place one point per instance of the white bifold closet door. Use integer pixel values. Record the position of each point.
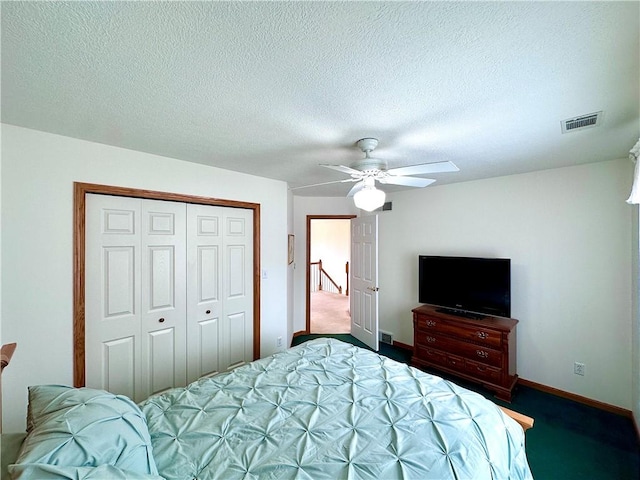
(168, 294)
(219, 289)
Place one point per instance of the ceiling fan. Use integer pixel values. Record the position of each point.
(369, 170)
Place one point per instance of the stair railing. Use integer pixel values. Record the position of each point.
(321, 280)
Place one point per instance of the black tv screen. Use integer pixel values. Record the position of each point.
(466, 284)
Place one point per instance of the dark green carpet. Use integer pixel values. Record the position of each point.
(568, 441)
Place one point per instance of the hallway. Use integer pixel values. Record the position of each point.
(329, 313)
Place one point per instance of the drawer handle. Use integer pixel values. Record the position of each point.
(431, 323)
(482, 353)
(161, 320)
(208, 312)
(482, 335)
(431, 339)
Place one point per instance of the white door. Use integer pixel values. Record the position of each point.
(237, 287)
(219, 289)
(163, 296)
(169, 293)
(112, 291)
(135, 332)
(364, 280)
(204, 273)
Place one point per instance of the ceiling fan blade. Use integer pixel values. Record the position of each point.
(342, 168)
(355, 189)
(436, 167)
(325, 183)
(407, 181)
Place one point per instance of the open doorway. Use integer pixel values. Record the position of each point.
(328, 256)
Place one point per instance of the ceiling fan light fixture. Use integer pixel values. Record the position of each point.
(369, 198)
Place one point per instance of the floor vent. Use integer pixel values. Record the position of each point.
(385, 337)
(582, 122)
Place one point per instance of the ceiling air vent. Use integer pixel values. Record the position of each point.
(582, 122)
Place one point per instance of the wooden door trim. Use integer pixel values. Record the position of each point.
(80, 190)
(308, 257)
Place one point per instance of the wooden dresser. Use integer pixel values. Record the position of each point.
(481, 350)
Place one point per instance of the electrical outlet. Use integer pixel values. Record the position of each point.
(279, 342)
(578, 368)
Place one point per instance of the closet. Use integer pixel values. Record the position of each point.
(168, 292)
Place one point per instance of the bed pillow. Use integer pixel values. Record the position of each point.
(84, 427)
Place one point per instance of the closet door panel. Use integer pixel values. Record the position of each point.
(112, 306)
(163, 295)
(237, 281)
(162, 275)
(118, 363)
(207, 308)
(162, 365)
(119, 277)
(204, 272)
(237, 342)
(209, 341)
(208, 268)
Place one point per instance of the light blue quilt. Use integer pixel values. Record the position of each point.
(327, 409)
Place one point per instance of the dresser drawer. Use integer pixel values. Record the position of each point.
(455, 362)
(480, 354)
(437, 357)
(483, 372)
(478, 334)
(460, 348)
(430, 355)
(427, 339)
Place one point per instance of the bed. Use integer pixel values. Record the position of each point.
(323, 409)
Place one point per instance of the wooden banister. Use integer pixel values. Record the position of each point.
(322, 273)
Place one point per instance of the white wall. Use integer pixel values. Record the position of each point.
(568, 232)
(290, 273)
(303, 206)
(38, 171)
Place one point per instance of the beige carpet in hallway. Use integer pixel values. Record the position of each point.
(329, 313)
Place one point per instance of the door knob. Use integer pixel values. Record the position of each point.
(373, 289)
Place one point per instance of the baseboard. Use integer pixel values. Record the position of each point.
(403, 346)
(577, 398)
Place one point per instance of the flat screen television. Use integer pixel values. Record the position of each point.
(466, 285)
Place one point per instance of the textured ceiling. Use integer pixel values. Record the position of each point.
(276, 88)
